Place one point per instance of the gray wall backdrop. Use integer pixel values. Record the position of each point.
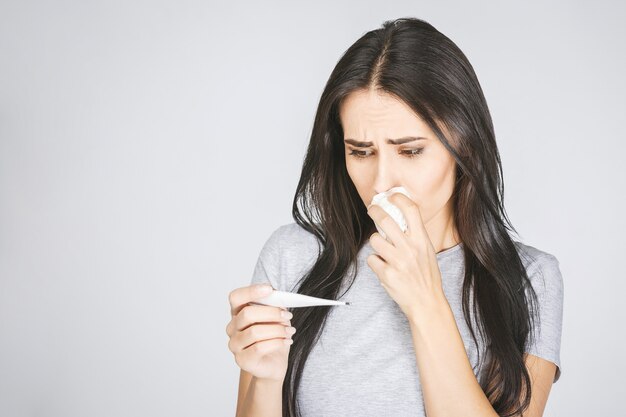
(149, 148)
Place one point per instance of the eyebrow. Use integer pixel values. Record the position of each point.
(399, 141)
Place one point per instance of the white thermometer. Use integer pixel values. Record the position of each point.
(291, 299)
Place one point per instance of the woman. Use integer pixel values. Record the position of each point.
(452, 317)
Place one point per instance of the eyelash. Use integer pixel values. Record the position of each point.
(412, 153)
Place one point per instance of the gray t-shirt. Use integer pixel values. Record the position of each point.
(364, 363)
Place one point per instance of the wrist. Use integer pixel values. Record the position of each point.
(263, 398)
(268, 382)
(437, 309)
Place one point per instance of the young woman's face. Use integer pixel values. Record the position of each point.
(423, 166)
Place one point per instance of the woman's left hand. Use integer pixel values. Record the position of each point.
(407, 266)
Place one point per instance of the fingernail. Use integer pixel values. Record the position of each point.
(286, 314)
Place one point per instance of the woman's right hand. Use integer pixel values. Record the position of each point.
(259, 336)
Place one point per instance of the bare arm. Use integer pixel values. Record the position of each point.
(244, 383)
(445, 371)
(444, 368)
(263, 397)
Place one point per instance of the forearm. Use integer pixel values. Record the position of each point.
(263, 399)
(449, 386)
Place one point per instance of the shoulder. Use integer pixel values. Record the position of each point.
(290, 251)
(531, 255)
(542, 268)
(535, 259)
(544, 273)
(291, 237)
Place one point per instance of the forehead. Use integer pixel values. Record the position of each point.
(372, 115)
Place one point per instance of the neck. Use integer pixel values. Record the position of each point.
(441, 229)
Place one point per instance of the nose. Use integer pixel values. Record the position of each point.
(386, 175)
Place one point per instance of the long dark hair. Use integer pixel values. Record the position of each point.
(410, 59)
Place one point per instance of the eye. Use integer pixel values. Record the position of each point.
(358, 154)
(410, 153)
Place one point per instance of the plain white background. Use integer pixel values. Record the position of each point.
(149, 148)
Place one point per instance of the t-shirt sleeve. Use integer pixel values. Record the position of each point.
(546, 279)
(267, 267)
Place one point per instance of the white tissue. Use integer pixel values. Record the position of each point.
(382, 200)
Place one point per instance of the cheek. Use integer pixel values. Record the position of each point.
(361, 179)
(355, 175)
(432, 190)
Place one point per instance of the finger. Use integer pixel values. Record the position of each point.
(261, 348)
(252, 314)
(392, 230)
(377, 264)
(413, 216)
(383, 248)
(239, 297)
(256, 333)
